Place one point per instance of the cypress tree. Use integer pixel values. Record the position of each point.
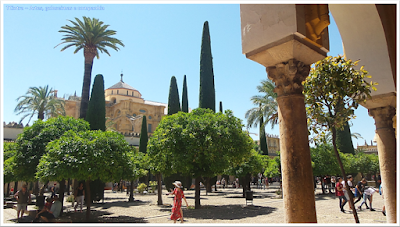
(173, 99)
(343, 140)
(173, 107)
(143, 136)
(263, 138)
(207, 88)
(220, 107)
(343, 136)
(185, 102)
(96, 112)
(96, 116)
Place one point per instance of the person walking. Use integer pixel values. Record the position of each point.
(223, 182)
(340, 193)
(177, 212)
(359, 191)
(351, 187)
(368, 193)
(79, 195)
(23, 198)
(53, 190)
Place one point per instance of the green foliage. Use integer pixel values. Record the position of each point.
(9, 151)
(333, 90)
(89, 155)
(252, 165)
(272, 167)
(143, 136)
(200, 143)
(185, 102)
(96, 112)
(324, 160)
(207, 87)
(32, 143)
(141, 187)
(40, 101)
(173, 98)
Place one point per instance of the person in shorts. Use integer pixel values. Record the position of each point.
(23, 198)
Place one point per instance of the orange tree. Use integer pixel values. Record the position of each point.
(199, 144)
(90, 155)
(332, 92)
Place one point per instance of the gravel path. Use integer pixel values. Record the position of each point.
(222, 207)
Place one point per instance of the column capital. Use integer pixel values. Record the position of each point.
(383, 116)
(288, 76)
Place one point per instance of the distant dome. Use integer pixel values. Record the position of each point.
(121, 84)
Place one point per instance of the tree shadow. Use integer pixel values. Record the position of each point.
(225, 212)
(120, 204)
(324, 196)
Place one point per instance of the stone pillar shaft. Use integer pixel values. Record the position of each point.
(297, 177)
(386, 142)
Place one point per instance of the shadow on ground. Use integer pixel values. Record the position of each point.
(226, 212)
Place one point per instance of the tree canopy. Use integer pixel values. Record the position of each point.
(201, 143)
(33, 140)
(87, 155)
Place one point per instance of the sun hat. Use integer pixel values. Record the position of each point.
(177, 184)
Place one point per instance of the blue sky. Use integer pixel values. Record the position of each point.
(161, 40)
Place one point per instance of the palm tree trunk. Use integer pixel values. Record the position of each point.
(86, 85)
(344, 175)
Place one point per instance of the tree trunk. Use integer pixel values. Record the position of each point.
(15, 187)
(8, 189)
(322, 185)
(87, 76)
(61, 194)
(197, 194)
(88, 199)
(344, 176)
(159, 188)
(68, 186)
(41, 192)
(36, 188)
(208, 184)
(131, 199)
(243, 181)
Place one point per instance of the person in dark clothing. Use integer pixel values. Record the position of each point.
(359, 191)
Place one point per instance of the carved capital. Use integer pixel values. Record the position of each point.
(288, 77)
(383, 116)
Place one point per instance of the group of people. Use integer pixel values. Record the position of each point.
(360, 191)
(52, 207)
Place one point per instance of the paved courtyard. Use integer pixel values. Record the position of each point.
(226, 206)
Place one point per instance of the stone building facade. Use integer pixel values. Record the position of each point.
(125, 108)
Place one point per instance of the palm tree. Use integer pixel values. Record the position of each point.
(266, 106)
(91, 36)
(40, 101)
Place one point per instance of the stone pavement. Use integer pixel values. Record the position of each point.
(222, 207)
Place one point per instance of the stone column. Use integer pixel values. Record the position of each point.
(386, 142)
(297, 176)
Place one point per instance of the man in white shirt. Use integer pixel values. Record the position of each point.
(368, 195)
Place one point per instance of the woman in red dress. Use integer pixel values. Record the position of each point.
(176, 209)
